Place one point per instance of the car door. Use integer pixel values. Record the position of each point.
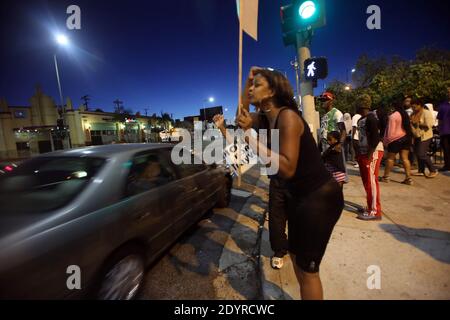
(151, 190)
(189, 207)
(211, 183)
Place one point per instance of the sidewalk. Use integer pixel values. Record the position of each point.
(411, 246)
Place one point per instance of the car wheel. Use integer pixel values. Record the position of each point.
(225, 195)
(123, 277)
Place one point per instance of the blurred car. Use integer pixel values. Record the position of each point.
(8, 166)
(106, 211)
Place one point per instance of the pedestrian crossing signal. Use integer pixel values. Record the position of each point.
(316, 68)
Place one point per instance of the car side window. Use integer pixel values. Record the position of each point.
(186, 170)
(148, 171)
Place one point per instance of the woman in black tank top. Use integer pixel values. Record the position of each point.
(315, 200)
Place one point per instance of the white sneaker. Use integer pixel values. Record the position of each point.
(356, 166)
(277, 263)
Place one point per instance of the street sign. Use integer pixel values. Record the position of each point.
(316, 68)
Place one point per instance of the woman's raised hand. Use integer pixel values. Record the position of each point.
(253, 72)
(219, 120)
(245, 120)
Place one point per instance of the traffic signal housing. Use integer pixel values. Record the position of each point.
(288, 25)
(310, 14)
(301, 15)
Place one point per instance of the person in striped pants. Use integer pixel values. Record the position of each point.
(370, 153)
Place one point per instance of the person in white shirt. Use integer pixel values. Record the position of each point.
(348, 139)
(333, 120)
(430, 107)
(355, 136)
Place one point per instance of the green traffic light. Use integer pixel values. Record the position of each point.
(307, 9)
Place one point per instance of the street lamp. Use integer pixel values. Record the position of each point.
(352, 71)
(210, 100)
(63, 41)
(347, 88)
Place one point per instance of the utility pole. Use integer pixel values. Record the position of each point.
(119, 105)
(86, 99)
(298, 21)
(306, 87)
(296, 66)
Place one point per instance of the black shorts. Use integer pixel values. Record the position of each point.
(404, 143)
(311, 222)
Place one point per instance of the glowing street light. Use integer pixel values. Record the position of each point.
(350, 72)
(210, 100)
(62, 39)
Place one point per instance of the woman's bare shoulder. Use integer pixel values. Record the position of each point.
(290, 115)
(290, 118)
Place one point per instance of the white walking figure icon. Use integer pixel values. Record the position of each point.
(311, 69)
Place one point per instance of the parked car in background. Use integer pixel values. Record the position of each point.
(105, 211)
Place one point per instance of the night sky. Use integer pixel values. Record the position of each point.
(172, 55)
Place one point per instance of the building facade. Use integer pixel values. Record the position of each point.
(26, 131)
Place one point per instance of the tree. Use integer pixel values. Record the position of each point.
(386, 79)
(166, 120)
(344, 98)
(367, 69)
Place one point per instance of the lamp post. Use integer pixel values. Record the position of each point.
(62, 41)
(210, 100)
(352, 71)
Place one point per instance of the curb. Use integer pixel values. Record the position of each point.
(239, 262)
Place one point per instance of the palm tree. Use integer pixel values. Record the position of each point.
(166, 119)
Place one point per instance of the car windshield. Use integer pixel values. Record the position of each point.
(44, 184)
